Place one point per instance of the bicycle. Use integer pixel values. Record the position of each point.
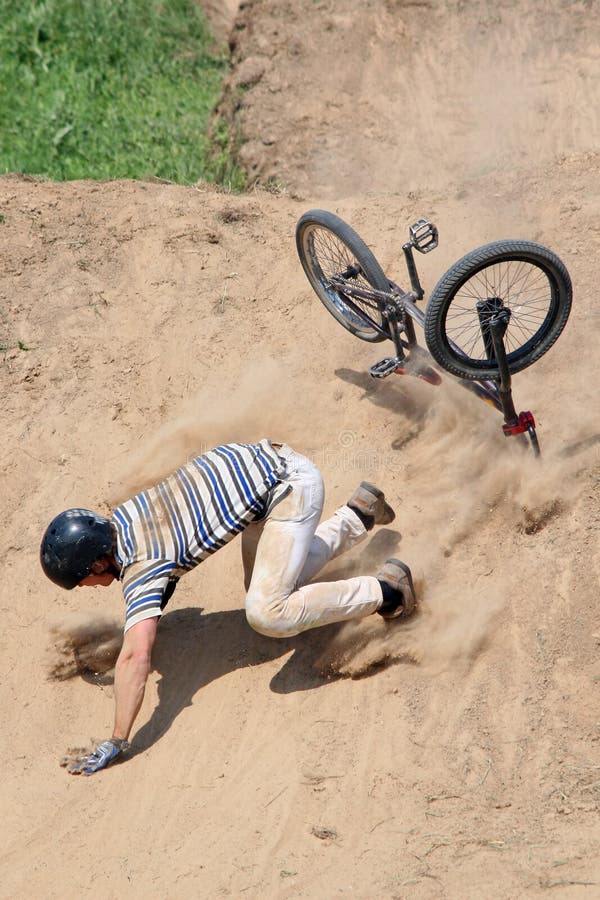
(493, 313)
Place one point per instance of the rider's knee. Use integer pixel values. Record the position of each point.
(268, 618)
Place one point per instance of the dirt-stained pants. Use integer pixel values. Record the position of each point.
(285, 550)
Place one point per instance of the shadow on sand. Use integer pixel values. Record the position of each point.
(192, 649)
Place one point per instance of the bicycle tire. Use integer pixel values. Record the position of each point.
(328, 246)
(527, 277)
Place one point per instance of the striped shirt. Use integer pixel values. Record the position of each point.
(169, 529)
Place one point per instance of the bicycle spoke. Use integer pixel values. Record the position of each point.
(334, 259)
(523, 288)
(519, 287)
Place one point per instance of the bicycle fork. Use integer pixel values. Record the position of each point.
(494, 318)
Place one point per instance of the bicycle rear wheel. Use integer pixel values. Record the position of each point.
(524, 277)
(327, 248)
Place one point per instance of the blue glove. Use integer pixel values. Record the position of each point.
(101, 757)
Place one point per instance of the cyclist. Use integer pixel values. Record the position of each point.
(270, 494)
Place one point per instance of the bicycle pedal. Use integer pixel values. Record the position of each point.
(423, 236)
(385, 367)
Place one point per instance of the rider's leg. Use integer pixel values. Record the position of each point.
(292, 546)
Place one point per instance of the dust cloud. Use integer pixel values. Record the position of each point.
(84, 643)
(467, 475)
(258, 404)
(447, 630)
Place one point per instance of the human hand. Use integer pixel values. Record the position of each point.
(102, 756)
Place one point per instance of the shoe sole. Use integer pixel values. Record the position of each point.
(388, 513)
(371, 487)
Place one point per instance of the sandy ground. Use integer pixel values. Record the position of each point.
(454, 756)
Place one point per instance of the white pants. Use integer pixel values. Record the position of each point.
(284, 551)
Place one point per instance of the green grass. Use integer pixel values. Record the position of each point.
(109, 89)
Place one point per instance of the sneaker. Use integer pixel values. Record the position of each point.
(397, 576)
(368, 502)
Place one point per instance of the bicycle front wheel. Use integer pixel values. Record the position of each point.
(522, 276)
(329, 248)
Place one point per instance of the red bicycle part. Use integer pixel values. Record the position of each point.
(524, 422)
(425, 372)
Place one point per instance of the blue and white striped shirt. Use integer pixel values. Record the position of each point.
(169, 529)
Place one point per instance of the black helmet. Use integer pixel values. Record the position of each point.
(73, 541)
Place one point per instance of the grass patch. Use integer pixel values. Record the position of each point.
(223, 167)
(109, 89)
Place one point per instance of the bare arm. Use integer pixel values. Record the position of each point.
(131, 674)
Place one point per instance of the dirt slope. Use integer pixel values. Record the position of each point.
(394, 95)
(146, 320)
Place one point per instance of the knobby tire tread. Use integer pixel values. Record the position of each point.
(469, 265)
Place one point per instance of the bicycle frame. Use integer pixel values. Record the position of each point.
(399, 311)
